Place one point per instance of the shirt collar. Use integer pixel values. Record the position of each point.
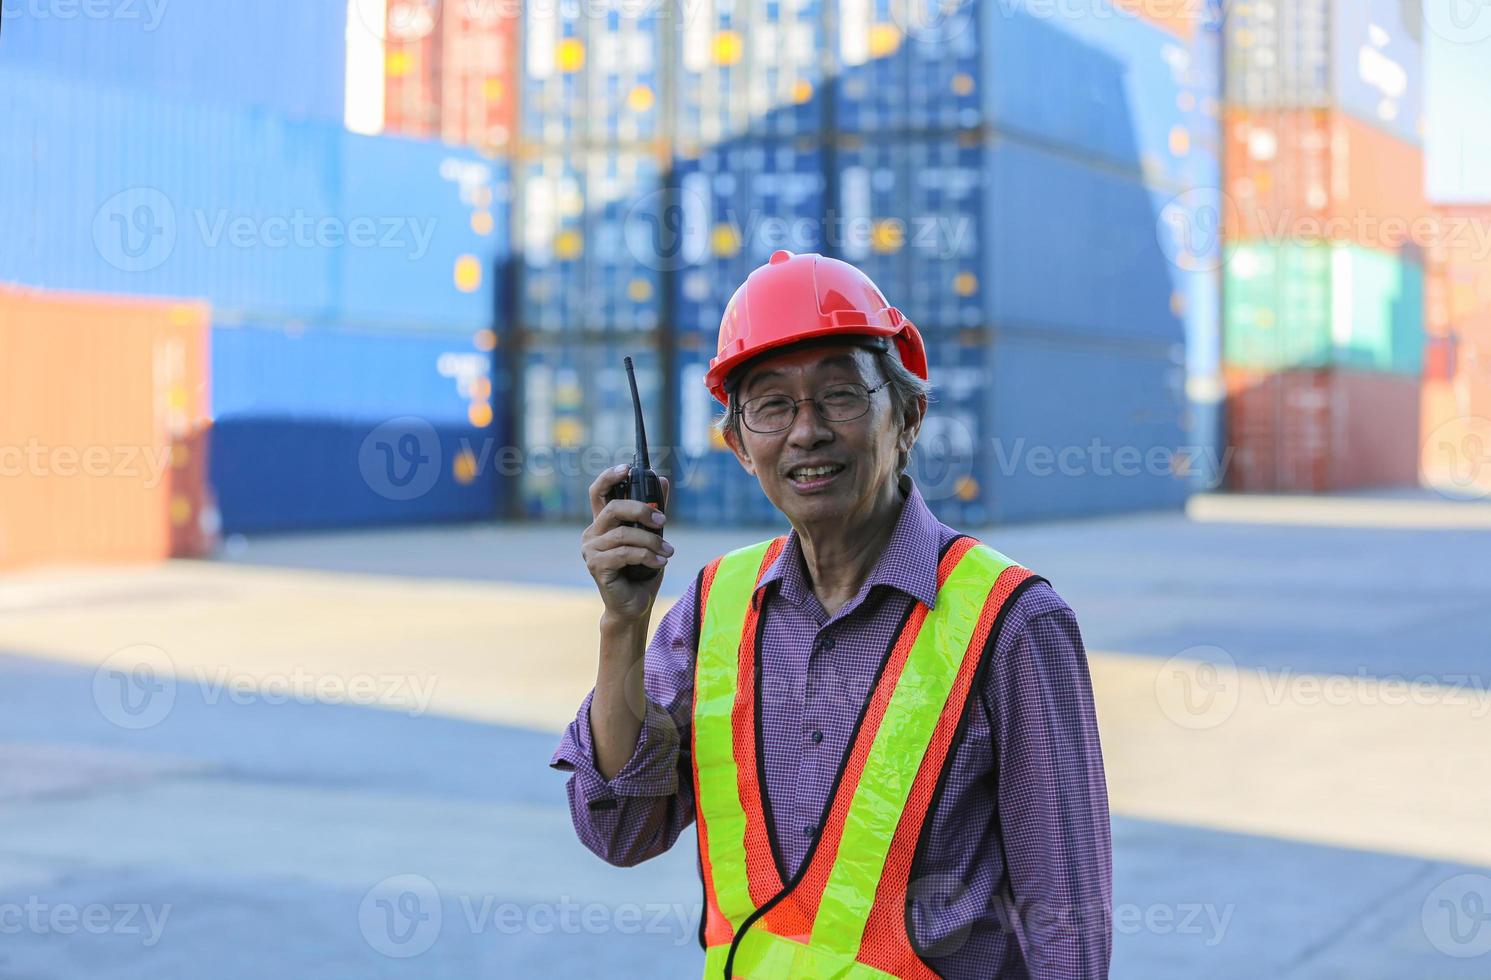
(908, 563)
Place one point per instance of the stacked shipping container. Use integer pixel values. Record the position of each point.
(1323, 313)
(656, 160)
(589, 169)
(1456, 404)
(103, 414)
(388, 409)
(664, 153)
(450, 71)
(1061, 342)
(353, 281)
(921, 144)
(335, 426)
(749, 162)
(230, 55)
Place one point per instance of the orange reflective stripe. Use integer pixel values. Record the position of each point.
(761, 866)
(853, 888)
(716, 927)
(886, 944)
(794, 916)
(726, 881)
(943, 645)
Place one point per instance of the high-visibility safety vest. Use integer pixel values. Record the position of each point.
(843, 915)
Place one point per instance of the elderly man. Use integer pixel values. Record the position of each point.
(882, 729)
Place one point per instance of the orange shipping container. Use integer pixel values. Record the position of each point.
(1312, 431)
(1313, 174)
(1455, 458)
(103, 412)
(1457, 274)
(451, 72)
(1179, 17)
(411, 71)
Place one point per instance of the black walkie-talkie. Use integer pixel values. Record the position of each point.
(640, 483)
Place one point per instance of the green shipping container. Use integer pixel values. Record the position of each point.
(1319, 306)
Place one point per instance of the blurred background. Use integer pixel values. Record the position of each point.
(311, 323)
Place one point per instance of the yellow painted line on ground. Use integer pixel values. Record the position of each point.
(521, 655)
(1328, 511)
(1386, 766)
(1393, 765)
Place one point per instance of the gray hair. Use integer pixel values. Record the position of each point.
(905, 388)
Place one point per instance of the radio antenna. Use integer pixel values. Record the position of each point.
(631, 377)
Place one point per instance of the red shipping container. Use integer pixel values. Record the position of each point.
(411, 70)
(1439, 358)
(1318, 174)
(103, 413)
(1315, 431)
(1179, 17)
(1457, 273)
(451, 72)
(1456, 439)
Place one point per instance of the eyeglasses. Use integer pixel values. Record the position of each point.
(836, 403)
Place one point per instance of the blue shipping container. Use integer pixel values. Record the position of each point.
(1362, 56)
(280, 474)
(1019, 427)
(341, 372)
(1378, 65)
(709, 486)
(288, 56)
(1078, 428)
(624, 85)
(1104, 83)
(962, 233)
(590, 71)
(872, 177)
(553, 82)
(746, 69)
(1089, 78)
(551, 243)
(577, 421)
(132, 193)
(332, 427)
(950, 462)
(1071, 247)
(870, 85)
(266, 218)
(732, 206)
(589, 226)
(434, 226)
(623, 271)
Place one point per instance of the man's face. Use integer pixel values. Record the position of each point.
(861, 454)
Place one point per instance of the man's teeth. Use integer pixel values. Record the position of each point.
(811, 472)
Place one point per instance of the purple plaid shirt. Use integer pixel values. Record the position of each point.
(1016, 876)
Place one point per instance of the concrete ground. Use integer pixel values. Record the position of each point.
(326, 755)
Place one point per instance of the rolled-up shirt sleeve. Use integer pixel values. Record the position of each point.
(1052, 797)
(640, 812)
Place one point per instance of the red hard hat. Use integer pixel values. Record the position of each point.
(799, 297)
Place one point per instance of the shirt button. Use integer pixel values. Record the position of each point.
(826, 644)
(817, 737)
(811, 830)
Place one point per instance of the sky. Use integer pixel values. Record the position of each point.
(1457, 56)
(1457, 53)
